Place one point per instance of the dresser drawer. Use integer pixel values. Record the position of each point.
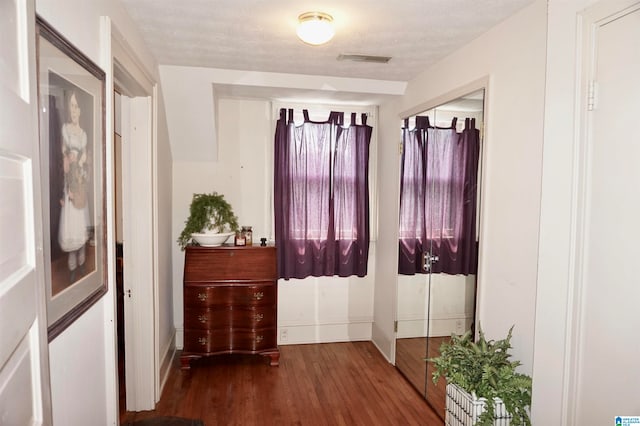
(224, 294)
(230, 317)
(211, 341)
(230, 263)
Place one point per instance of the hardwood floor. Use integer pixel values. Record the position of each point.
(323, 384)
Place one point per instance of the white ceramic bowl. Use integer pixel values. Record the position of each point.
(211, 240)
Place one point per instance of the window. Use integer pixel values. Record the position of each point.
(321, 195)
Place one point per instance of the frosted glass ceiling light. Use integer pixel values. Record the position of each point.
(315, 28)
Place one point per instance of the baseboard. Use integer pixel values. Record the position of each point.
(389, 360)
(167, 356)
(443, 326)
(384, 342)
(179, 338)
(324, 333)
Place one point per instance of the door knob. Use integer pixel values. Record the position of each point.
(427, 260)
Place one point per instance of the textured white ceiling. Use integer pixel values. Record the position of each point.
(259, 35)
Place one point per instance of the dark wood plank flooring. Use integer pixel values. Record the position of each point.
(323, 384)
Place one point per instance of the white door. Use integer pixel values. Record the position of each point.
(609, 350)
(140, 301)
(139, 225)
(24, 376)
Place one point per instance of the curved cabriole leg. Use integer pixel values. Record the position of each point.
(185, 361)
(274, 357)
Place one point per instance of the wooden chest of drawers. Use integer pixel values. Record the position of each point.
(230, 302)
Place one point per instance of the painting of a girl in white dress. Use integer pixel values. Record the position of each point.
(71, 195)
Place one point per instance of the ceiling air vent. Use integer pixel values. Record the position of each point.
(364, 58)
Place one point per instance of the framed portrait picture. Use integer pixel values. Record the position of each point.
(71, 91)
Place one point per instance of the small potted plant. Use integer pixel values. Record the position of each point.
(211, 221)
(478, 372)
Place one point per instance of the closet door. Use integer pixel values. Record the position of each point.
(432, 302)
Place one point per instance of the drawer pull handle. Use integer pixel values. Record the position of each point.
(259, 339)
(258, 295)
(258, 317)
(202, 341)
(202, 318)
(202, 296)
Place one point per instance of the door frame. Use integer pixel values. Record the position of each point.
(133, 80)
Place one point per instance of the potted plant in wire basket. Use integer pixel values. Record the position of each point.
(211, 221)
(478, 372)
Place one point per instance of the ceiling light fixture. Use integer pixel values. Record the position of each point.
(315, 28)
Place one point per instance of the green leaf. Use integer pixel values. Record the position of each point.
(484, 368)
(208, 212)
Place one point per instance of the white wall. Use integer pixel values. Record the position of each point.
(310, 310)
(79, 393)
(512, 55)
(240, 174)
(326, 309)
(84, 377)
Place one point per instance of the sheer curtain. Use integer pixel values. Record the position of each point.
(438, 197)
(321, 196)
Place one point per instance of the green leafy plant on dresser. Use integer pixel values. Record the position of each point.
(208, 213)
(484, 369)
